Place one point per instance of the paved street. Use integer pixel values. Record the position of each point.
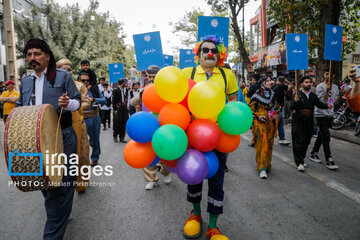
(317, 204)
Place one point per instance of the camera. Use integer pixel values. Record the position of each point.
(94, 105)
(357, 67)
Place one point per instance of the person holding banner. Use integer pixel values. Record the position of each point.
(303, 120)
(210, 52)
(353, 96)
(265, 110)
(327, 93)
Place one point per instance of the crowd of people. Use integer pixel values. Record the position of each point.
(87, 103)
(310, 110)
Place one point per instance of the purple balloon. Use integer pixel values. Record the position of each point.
(172, 170)
(143, 108)
(192, 167)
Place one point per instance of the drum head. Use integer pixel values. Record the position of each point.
(48, 129)
(30, 131)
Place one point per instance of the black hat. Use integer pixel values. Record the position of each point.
(153, 69)
(41, 44)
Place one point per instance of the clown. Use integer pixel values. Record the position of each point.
(210, 54)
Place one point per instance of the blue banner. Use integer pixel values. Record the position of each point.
(333, 42)
(297, 51)
(168, 60)
(148, 50)
(116, 71)
(212, 26)
(186, 58)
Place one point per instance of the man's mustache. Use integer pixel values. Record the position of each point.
(34, 62)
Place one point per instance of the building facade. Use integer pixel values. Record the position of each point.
(21, 9)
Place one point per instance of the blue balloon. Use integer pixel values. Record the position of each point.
(156, 160)
(213, 163)
(141, 126)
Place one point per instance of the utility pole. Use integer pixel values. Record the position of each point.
(10, 42)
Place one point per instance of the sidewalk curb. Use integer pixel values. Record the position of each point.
(342, 134)
(346, 136)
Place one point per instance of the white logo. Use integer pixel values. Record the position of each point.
(116, 66)
(188, 52)
(147, 38)
(214, 23)
(334, 30)
(297, 38)
(166, 57)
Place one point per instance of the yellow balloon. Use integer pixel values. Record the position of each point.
(171, 84)
(213, 118)
(206, 99)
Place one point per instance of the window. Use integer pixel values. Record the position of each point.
(356, 58)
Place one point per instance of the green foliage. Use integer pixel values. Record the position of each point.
(304, 17)
(77, 35)
(187, 28)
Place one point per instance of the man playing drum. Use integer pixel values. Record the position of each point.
(48, 85)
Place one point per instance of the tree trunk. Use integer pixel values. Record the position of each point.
(234, 23)
(329, 14)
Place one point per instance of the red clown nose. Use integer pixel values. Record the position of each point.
(210, 55)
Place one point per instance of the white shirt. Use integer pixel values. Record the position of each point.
(39, 86)
(133, 72)
(101, 88)
(107, 94)
(307, 94)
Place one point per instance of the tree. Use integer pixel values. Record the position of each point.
(311, 16)
(76, 35)
(188, 27)
(235, 7)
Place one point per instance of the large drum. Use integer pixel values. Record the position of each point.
(29, 147)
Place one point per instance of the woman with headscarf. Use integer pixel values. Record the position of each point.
(264, 108)
(79, 126)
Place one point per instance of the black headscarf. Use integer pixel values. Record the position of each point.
(41, 44)
(262, 94)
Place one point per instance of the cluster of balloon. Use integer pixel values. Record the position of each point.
(181, 125)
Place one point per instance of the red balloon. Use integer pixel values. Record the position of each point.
(171, 163)
(203, 134)
(228, 143)
(184, 102)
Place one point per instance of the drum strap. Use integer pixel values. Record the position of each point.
(33, 92)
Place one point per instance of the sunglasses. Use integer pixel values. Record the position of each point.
(69, 70)
(206, 50)
(85, 80)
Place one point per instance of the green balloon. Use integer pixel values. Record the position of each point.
(155, 114)
(235, 118)
(169, 142)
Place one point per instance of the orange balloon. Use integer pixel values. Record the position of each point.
(152, 100)
(175, 113)
(139, 155)
(228, 143)
(171, 163)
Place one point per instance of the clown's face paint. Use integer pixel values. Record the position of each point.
(208, 59)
